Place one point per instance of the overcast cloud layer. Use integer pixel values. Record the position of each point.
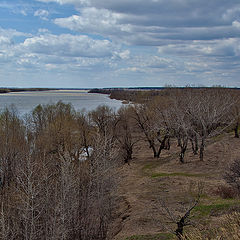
(107, 43)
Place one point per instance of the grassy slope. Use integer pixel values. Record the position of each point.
(149, 182)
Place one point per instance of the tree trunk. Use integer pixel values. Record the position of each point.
(183, 149)
(128, 155)
(152, 146)
(236, 130)
(162, 146)
(180, 225)
(194, 143)
(181, 157)
(167, 144)
(155, 153)
(178, 141)
(202, 149)
(182, 154)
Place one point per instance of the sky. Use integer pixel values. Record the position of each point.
(119, 43)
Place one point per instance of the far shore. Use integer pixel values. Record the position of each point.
(11, 90)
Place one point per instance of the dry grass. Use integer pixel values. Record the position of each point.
(147, 181)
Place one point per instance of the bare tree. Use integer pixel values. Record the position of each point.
(125, 133)
(194, 141)
(208, 111)
(28, 188)
(105, 119)
(153, 127)
(183, 219)
(12, 140)
(235, 113)
(53, 194)
(178, 122)
(85, 134)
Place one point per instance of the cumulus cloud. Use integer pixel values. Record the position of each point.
(232, 13)
(236, 24)
(69, 46)
(16, 8)
(43, 30)
(75, 2)
(217, 48)
(124, 54)
(46, 50)
(10, 33)
(170, 13)
(43, 14)
(93, 20)
(5, 40)
(154, 23)
(165, 39)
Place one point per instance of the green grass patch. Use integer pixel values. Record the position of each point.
(148, 166)
(217, 138)
(176, 174)
(206, 210)
(160, 236)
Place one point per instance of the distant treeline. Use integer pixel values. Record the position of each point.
(139, 95)
(8, 90)
(143, 94)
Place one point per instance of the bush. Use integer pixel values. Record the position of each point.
(226, 192)
(232, 175)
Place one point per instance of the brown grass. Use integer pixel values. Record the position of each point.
(148, 181)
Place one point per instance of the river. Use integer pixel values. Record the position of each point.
(80, 99)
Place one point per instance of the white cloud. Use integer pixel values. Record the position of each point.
(124, 55)
(5, 41)
(23, 12)
(154, 23)
(43, 14)
(75, 2)
(174, 39)
(96, 21)
(231, 13)
(10, 33)
(69, 46)
(16, 8)
(43, 30)
(215, 48)
(236, 24)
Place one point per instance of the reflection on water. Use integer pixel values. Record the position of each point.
(80, 99)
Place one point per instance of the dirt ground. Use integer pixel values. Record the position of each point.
(149, 187)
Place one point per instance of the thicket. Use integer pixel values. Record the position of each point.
(191, 116)
(57, 173)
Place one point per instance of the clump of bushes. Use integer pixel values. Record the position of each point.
(47, 190)
(226, 192)
(232, 176)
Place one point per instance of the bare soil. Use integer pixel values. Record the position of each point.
(149, 183)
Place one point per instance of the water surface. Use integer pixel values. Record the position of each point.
(80, 99)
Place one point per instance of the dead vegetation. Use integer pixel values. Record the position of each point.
(122, 175)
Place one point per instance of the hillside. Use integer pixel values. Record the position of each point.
(147, 182)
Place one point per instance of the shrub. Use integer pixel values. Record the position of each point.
(232, 175)
(226, 192)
